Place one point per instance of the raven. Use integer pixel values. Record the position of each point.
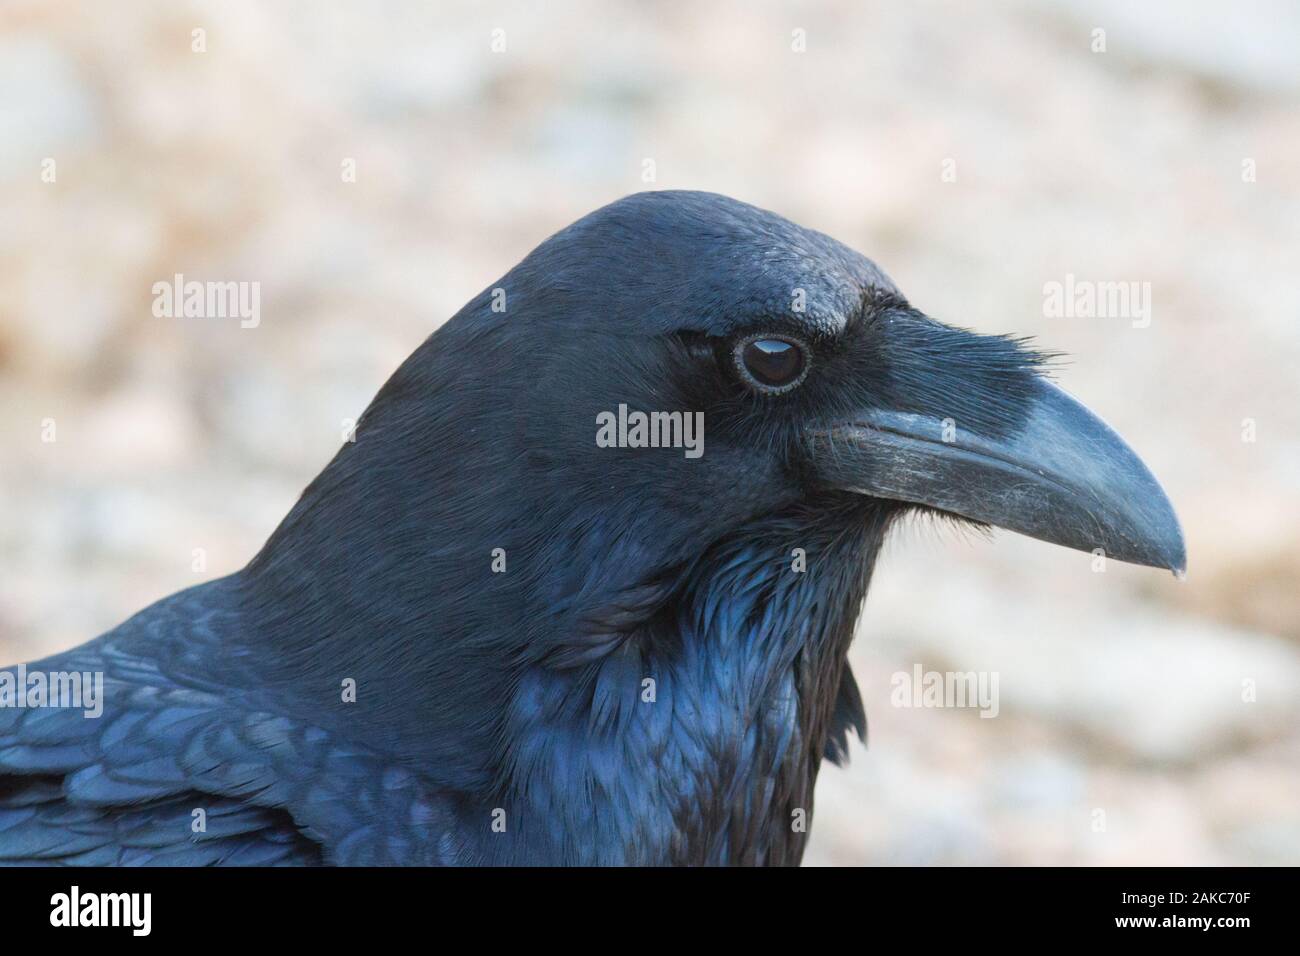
(530, 616)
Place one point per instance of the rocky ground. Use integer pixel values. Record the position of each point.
(977, 153)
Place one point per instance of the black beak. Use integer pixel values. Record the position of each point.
(1064, 476)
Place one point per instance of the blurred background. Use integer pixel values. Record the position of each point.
(977, 153)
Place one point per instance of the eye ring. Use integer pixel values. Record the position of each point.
(768, 369)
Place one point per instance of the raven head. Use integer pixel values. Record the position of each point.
(781, 365)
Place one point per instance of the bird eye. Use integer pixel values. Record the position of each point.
(772, 364)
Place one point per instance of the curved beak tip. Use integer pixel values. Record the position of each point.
(1178, 564)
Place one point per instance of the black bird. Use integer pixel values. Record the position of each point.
(484, 637)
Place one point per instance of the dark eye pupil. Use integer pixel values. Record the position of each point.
(773, 362)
